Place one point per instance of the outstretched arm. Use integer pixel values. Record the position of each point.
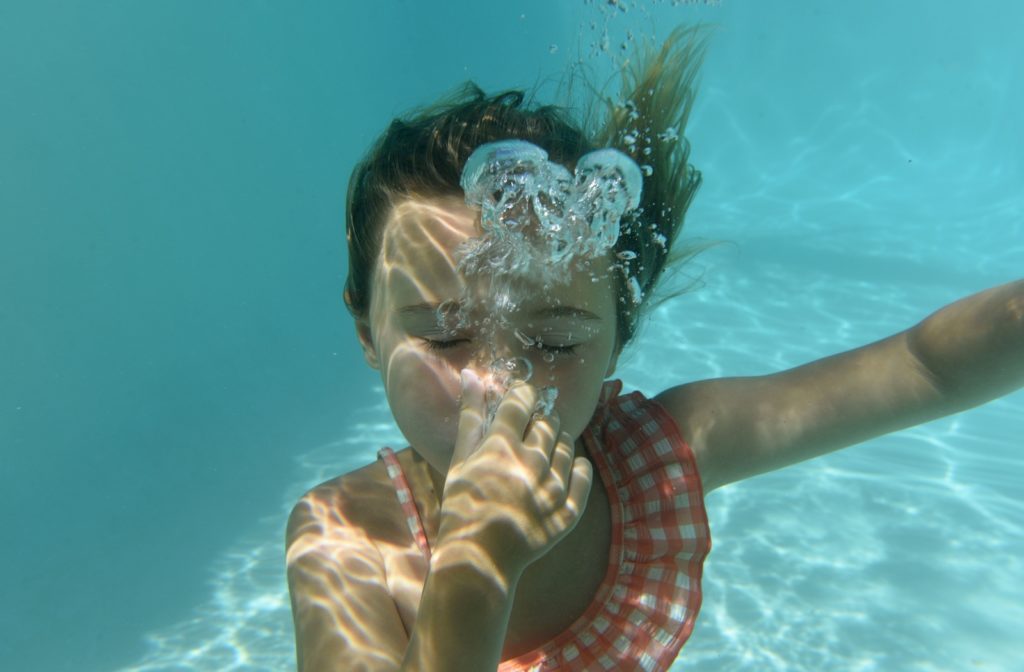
(968, 353)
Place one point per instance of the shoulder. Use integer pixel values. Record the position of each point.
(656, 427)
(694, 409)
(360, 503)
(345, 612)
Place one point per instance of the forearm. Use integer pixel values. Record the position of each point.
(974, 348)
(463, 616)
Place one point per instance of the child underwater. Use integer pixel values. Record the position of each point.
(501, 257)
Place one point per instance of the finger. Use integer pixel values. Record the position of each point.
(561, 461)
(540, 443)
(579, 488)
(514, 412)
(471, 417)
(544, 431)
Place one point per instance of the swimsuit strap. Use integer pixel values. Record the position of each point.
(412, 515)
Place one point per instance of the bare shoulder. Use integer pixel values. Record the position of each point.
(360, 501)
(338, 557)
(694, 408)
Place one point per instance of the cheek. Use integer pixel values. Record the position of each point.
(579, 388)
(422, 394)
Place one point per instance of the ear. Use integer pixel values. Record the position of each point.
(366, 342)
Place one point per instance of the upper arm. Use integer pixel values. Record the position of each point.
(963, 355)
(741, 427)
(345, 618)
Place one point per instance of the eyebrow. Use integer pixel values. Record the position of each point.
(417, 309)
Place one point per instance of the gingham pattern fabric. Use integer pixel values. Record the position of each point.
(646, 607)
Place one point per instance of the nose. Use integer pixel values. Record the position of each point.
(498, 373)
(499, 365)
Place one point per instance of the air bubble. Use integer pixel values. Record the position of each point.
(546, 400)
(512, 369)
(446, 314)
(635, 293)
(669, 134)
(524, 339)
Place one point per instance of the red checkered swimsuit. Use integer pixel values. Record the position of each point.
(646, 605)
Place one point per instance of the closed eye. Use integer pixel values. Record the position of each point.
(557, 349)
(436, 345)
(441, 345)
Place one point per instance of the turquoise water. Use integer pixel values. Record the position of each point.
(178, 366)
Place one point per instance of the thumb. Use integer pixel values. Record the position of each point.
(471, 417)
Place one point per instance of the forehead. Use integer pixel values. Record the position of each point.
(427, 226)
(417, 257)
(418, 261)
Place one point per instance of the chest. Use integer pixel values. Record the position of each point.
(557, 589)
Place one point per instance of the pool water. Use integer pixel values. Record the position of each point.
(180, 368)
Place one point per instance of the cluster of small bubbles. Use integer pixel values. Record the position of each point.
(546, 400)
(577, 215)
(661, 240)
(536, 216)
(450, 316)
(503, 300)
(612, 11)
(504, 372)
(670, 134)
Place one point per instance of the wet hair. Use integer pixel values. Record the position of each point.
(423, 154)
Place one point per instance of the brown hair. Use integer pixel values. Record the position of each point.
(424, 153)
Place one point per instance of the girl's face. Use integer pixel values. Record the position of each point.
(420, 361)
